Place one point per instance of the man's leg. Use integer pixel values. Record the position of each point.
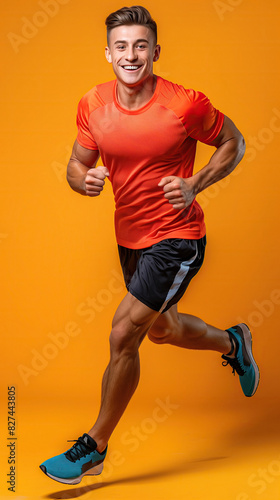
(184, 330)
(130, 325)
(189, 332)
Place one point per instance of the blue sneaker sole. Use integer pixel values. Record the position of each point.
(94, 471)
(248, 345)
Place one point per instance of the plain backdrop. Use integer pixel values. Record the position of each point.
(60, 276)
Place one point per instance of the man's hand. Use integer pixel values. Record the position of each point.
(179, 192)
(95, 180)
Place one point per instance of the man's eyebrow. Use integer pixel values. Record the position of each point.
(137, 41)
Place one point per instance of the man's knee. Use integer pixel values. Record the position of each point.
(130, 324)
(122, 339)
(126, 336)
(166, 327)
(159, 334)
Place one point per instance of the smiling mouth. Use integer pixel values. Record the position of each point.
(131, 67)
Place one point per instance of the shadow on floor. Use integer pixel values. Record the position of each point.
(170, 470)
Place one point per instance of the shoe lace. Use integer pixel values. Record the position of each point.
(235, 365)
(78, 450)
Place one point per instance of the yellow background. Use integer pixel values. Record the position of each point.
(61, 280)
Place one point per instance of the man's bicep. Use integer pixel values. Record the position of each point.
(228, 131)
(87, 157)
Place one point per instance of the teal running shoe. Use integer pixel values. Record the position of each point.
(80, 460)
(243, 363)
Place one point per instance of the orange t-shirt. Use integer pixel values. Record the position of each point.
(142, 146)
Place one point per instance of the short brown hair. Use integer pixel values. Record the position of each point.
(131, 15)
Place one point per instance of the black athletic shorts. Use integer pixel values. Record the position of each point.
(159, 275)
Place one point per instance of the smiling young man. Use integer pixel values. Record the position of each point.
(146, 128)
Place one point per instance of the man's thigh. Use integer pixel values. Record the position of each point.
(166, 324)
(132, 320)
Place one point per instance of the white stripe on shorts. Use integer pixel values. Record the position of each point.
(179, 278)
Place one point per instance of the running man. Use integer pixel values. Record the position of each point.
(146, 128)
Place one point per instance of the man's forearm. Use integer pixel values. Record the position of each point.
(222, 163)
(76, 173)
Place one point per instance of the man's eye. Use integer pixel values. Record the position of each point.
(141, 46)
(120, 47)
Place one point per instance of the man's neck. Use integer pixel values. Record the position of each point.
(133, 98)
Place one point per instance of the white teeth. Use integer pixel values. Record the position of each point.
(130, 67)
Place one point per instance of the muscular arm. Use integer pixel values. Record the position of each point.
(230, 146)
(82, 175)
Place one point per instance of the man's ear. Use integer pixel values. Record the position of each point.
(108, 54)
(157, 53)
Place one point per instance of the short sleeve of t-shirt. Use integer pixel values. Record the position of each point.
(84, 137)
(204, 121)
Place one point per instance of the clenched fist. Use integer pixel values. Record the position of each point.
(95, 180)
(179, 192)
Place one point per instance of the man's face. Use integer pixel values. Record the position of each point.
(132, 51)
